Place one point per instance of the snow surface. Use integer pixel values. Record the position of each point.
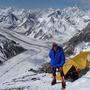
(84, 46)
(81, 84)
(15, 74)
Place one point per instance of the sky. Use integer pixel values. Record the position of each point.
(45, 3)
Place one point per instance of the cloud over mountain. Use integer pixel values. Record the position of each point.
(85, 3)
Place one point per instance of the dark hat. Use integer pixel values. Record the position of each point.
(54, 45)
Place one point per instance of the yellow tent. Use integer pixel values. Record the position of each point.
(80, 61)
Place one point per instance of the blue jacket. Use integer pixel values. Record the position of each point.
(57, 58)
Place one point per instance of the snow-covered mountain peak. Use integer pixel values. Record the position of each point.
(62, 24)
(20, 72)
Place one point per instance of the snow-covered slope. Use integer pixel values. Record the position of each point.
(18, 66)
(84, 46)
(18, 73)
(60, 24)
(81, 84)
(8, 48)
(45, 24)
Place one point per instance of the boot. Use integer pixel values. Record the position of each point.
(63, 83)
(53, 82)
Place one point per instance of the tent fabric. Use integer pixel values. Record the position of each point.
(79, 61)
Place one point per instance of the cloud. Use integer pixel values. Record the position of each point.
(81, 3)
(85, 3)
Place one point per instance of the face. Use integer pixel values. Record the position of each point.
(55, 48)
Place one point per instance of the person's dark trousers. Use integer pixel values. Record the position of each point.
(60, 69)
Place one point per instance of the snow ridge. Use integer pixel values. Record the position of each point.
(45, 24)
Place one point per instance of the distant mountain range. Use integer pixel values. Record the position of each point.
(46, 24)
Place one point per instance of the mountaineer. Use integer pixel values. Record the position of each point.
(57, 57)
